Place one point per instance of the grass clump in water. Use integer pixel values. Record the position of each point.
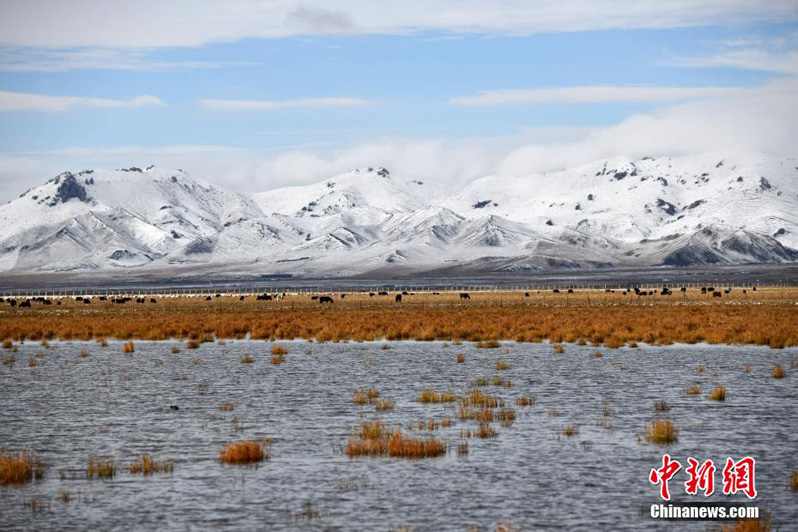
(100, 468)
(429, 395)
(488, 344)
(147, 465)
(245, 452)
(19, 468)
(718, 394)
(662, 432)
(778, 371)
(129, 347)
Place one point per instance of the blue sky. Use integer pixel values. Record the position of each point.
(299, 104)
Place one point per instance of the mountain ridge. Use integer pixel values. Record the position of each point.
(671, 211)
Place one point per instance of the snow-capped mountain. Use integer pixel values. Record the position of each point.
(655, 211)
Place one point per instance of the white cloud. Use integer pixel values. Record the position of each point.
(597, 94)
(153, 23)
(20, 101)
(780, 62)
(261, 105)
(27, 59)
(761, 119)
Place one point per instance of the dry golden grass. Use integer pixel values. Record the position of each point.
(763, 319)
(9, 361)
(192, 344)
(375, 439)
(794, 481)
(700, 368)
(506, 416)
(279, 350)
(83, 354)
(129, 347)
(718, 394)
(694, 389)
(460, 358)
(380, 406)
(226, 407)
(486, 431)
(662, 432)
(247, 360)
(100, 468)
(661, 406)
(525, 401)
(32, 362)
(7, 343)
(501, 365)
(431, 396)
(147, 465)
(277, 359)
(488, 344)
(19, 468)
(245, 452)
(462, 447)
(479, 399)
(571, 431)
(778, 371)
(747, 368)
(747, 525)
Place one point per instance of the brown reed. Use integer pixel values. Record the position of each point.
(147, 465)
(245, 452)
(662, 432)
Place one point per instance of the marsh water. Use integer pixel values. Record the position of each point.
(531, 475)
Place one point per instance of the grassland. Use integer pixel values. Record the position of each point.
(768, 316)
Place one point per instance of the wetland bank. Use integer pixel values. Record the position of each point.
(560, 429)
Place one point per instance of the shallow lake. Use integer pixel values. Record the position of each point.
(531, 475)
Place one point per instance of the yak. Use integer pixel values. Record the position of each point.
(325, 299)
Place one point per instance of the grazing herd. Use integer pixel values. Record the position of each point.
(328, 299)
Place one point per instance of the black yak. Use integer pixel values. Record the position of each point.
(325, 299)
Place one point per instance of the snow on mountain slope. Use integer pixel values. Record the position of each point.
(705, 209)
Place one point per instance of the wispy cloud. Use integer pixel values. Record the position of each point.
(27, 59)
(598, 94)
(20, 101)
(263, 105)
(117, 24)
(780, 62)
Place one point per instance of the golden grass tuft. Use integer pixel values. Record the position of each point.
(147, 465)
(747, 525)
(695, 389)
(129, 347)
(700, 368)
(460, 358)
(245, 452)
(479, 399)
(488, 344)
(431, 396)
(486, 431)
(100, 468)
(794, 480)
(226, 407)
(191, 344)
(718, 394)
(19, 468)
(7, 343)
(462, 447)
(32, 362)
(375, 439)
(778, 371)
(501, 365)
(662, 432)
(661, 406)
(381, 406)
(83, 354)
(506, 416)
(525, 401)
(747, 368)
(247, 360)
(571, 431)
(279, 350)
(559, 349)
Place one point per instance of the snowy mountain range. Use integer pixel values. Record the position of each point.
(675, 211)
